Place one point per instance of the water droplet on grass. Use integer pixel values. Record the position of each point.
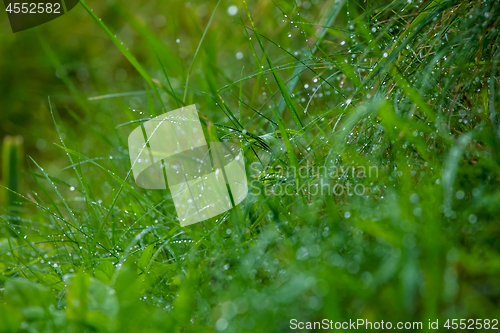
(232, 10)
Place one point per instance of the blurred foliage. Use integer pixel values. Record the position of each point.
(408, 88)
(12, 151)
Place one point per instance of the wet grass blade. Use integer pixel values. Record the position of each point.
(281, 84)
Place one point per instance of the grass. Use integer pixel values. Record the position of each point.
(406, 89)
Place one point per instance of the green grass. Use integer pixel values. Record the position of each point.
(409, 89)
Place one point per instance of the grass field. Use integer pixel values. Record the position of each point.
(396, 103)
